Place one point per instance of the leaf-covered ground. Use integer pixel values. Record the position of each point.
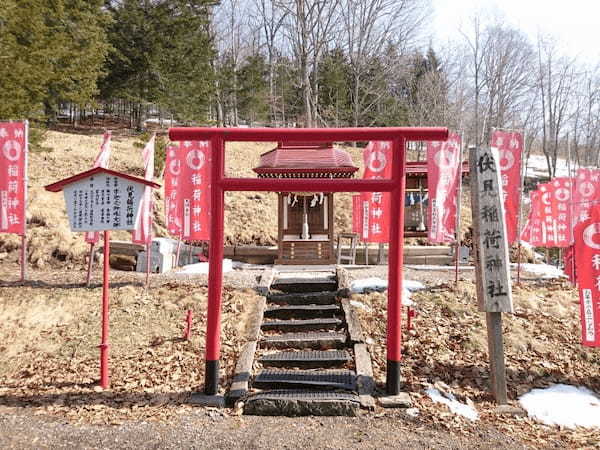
(448, 349)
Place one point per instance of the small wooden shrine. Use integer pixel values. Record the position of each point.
(306, 228)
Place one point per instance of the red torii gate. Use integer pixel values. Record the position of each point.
(220, 183)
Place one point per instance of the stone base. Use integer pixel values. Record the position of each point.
(201, 399)
(402, 400)
(302, 403)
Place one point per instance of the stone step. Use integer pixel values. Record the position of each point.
(302, 403)
(306, 359)
(301, 311)
(313, 284)
(308, 298)
(305, 379)
(317, 340)
(301, 324)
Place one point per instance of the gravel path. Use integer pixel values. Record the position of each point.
(212, 429)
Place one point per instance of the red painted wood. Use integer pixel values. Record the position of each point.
(215, 256)
(309, 134)
(305, 185)
(395, 253)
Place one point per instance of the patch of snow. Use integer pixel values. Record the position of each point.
(440, 268)
(542, 270)
(202, 268)
(413, 285)
(360, 305)
(455, 406)
(563, 405)
(537, 167)
(368, 284)
(378, 284)
(406, 300)
(164, 245)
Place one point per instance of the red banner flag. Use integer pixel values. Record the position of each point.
(510, 146)
(587, 259)
(172, 173)
(143, 228)
(443, 176)
(586, 193)
(561, 206)
(187, 190)
(547, 209)
(92, 237)
(532, 232)
(376, 205)
(13, 175)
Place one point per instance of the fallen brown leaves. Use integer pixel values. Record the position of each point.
(153, 370)
(448, 345)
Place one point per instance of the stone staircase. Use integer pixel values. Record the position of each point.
(304, 363)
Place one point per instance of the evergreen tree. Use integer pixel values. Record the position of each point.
(162, 54)
(79, 51)
(50, 52)
(254, 89)
(334, 93)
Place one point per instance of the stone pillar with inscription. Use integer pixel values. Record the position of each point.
(492, 264)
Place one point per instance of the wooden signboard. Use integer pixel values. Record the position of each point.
(492, 265)
(103, 202)
(489, 229)
(100, 199)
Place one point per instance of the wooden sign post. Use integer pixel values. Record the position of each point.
(492, 265)
(102, 200)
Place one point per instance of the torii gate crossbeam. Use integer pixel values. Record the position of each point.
(220, 184)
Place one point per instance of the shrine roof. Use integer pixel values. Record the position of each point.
(59, 185)
(416, 168)
(306, 159)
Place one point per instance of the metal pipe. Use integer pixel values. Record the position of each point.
(104, 345)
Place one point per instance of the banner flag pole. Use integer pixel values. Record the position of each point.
(25, 180)
(520, 217)
(90, 264)
(458, 204)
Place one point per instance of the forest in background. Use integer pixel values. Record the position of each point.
(294, 63)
